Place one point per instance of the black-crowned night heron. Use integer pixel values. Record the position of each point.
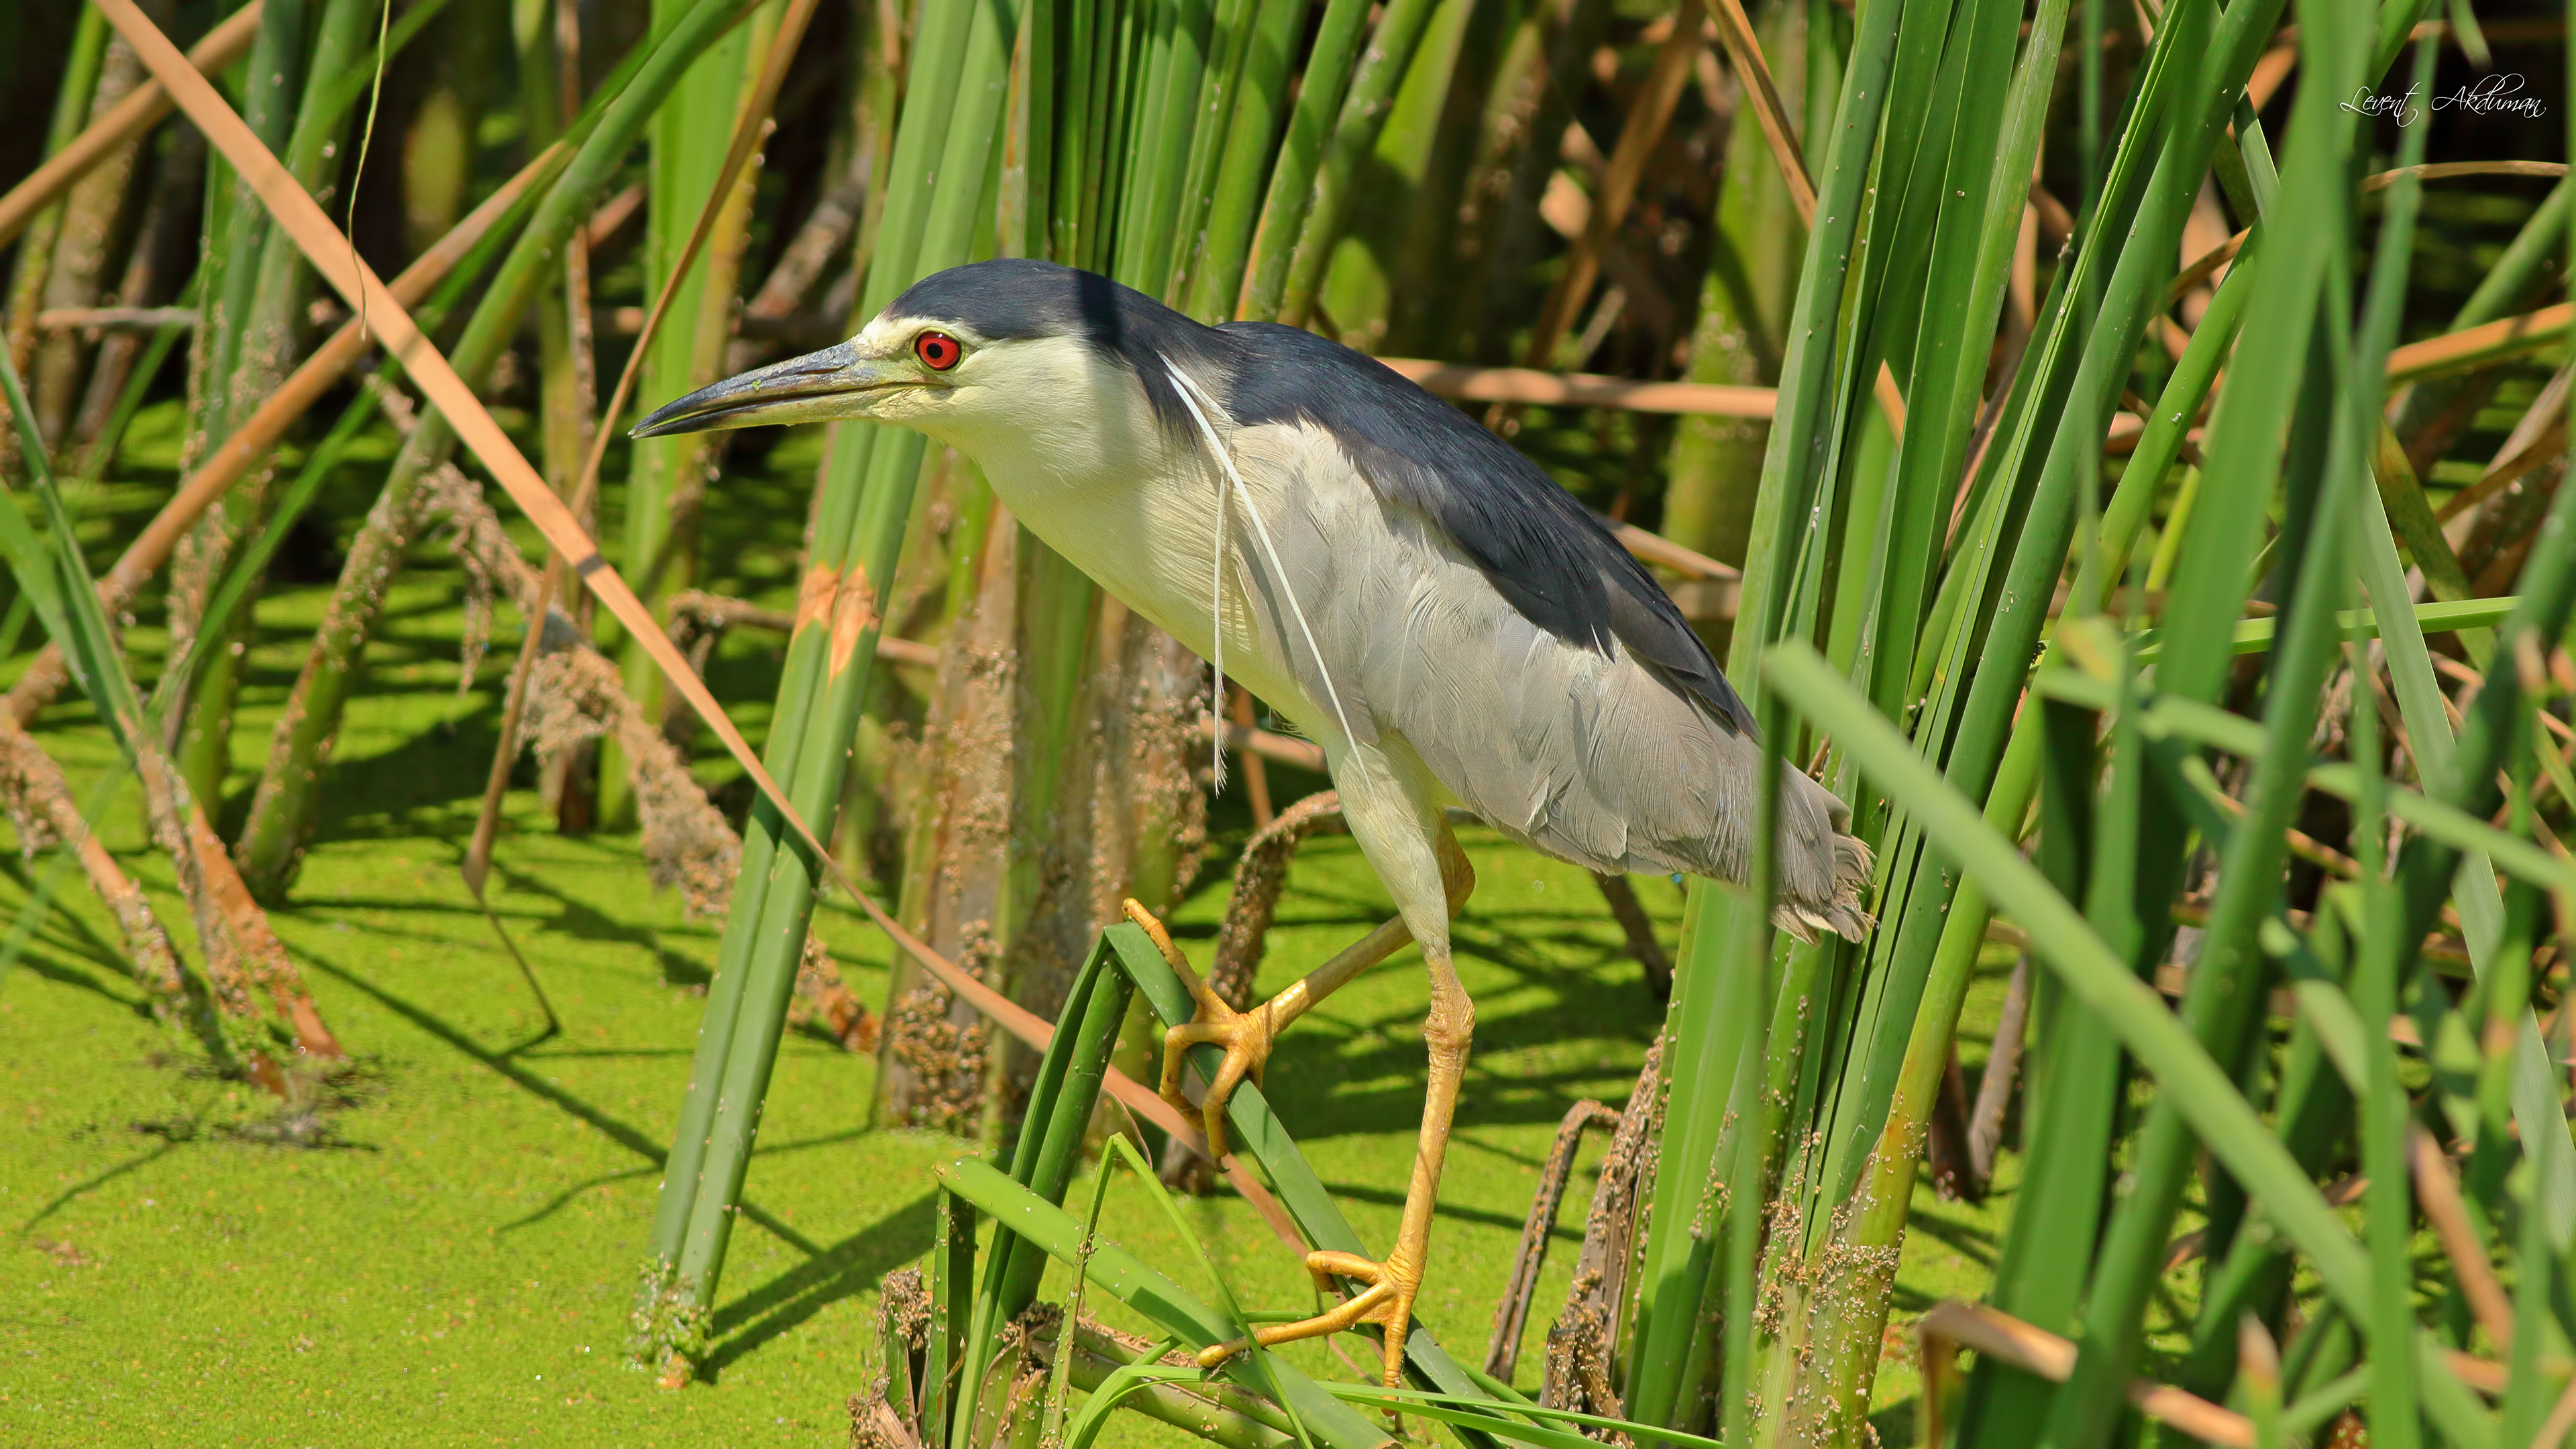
(1449, 624)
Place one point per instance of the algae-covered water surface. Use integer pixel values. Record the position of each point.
(444, 1251)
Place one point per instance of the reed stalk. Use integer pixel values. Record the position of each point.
(78, 270)
(282, 809)
(254, 349)
(1321, 217)
(955, 87)
(2084, 667)
(1743, 309)
(34, 260)
(1368, 277)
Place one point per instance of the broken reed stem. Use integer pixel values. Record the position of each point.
(1511, 1313)
(39, 800)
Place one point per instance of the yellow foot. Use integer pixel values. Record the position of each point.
(1245, 1035)
(1387, 1301)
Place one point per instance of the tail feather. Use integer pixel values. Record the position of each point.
(1840, 910)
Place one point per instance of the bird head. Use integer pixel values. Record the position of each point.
(968, 355)
(908, 370)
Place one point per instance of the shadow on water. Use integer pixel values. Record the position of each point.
(66, 932)
(584, 922)
(95, 1181)
(849, 1267)
(763, 1152)
(502, 1061)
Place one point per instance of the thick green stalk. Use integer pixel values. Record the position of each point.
(269, 104)
(1674, 1264)
(2102, 364)
(1223, 241)
(1361, 286)
(2229, 977)
(2105, 986)
(2071, 1099)
(1970, 258)
(1433, 252)
(1064, 1091)
(1301, 154)
(1228, 48)
(1817, 1361)
(282, 810)
(1677, 1262)
(1803, 427)
(2073, 1083)
(2226, 989)
(1170, 119)
(1897, 1154)
(937, 57)
(867, 497)
(1363, 114)
(1973, 723)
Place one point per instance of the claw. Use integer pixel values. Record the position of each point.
(1387, 1302)
(1246, 1037)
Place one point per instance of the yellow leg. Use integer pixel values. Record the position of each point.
(1392, 1285)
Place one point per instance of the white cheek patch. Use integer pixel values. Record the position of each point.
(1047, 408)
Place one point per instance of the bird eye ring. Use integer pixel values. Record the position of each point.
(937, 350)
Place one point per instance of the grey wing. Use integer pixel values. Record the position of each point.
(1541, 550)
(1594, 758)
(1585, 753)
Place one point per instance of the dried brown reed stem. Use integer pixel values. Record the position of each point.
(2033, 1350)
(575, 696)
(1584, 389)
(2477, 346)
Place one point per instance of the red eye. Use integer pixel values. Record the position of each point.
(937, 350)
